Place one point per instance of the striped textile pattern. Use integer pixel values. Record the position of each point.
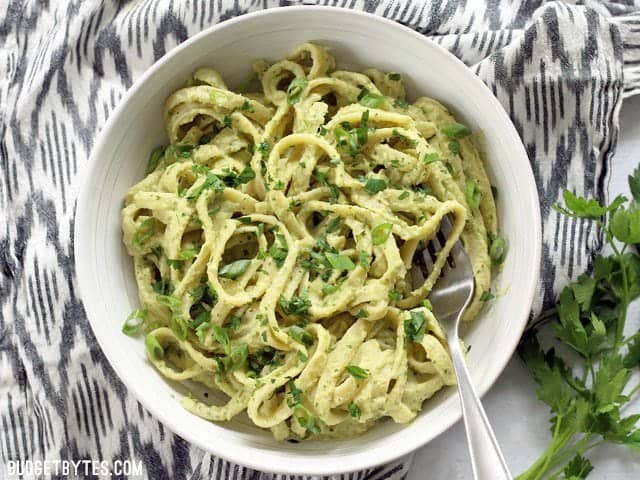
(561, 70)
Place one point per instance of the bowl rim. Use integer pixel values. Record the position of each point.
(83, 269)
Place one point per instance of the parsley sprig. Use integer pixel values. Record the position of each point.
(587, 398)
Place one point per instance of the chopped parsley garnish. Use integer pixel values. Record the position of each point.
(454, 147)
(431, 158)
(323, 131)
(380, 233)
(226, 121)
(300, 335)
(455, 131)
(375, 185)
(295, 90)
(264, 148)
(328, 288)
(354, 411)
(426, 303)
(144, 232)
(353, 139)
(394, 76)
(296, 305)
(234, 269)
(339, 262)
(403, 195)
(211, 181)
(247, 106)
(400, 103)
(357, 372)
(395, 295)
(188, 253)
(175, 263)
(486, 296)
(334, 225)
(415, 326)
(369, 100)
(279, 250)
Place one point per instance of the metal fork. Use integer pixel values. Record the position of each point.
(450, 297)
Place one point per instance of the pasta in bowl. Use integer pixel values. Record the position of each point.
(273, 240)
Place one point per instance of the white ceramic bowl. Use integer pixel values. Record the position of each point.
(118, 160)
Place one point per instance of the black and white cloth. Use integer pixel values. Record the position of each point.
(561, 70)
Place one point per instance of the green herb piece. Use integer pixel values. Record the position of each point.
(394, 76)
(154, 159)
(294, 395)
(403, 195)
(472, 193)
(334, 225)
(264, 148)
(369, 100)
(431, 158)
(179, 327)
(175, 263)
(323, 131)
(174, 303)
(400, 103)
(247, 106)
(328, 289)
(426, 303)
(226, 121)
(357, 372)
(486, 296)
(454, 147)
(153, 347)
(455, 131)
(395, 295)
(375, 185)
(354, 411)
(339, 262)
(300, 335)
(222, 337)
(201, 331)
(211, 181)
(295, 90)
(134, 322)
(498, 250)
(362, 314)
(144, 232)
(415, 325)
(244, 220)
(296, 305)
(279, 250)
(188, 253)
(234, 269)
(380, 233)
(582, 208)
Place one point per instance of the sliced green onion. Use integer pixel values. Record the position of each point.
(153, 347)
(134, 322)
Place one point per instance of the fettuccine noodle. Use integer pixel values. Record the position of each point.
(273, 241)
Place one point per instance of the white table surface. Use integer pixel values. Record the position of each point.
(520, 421)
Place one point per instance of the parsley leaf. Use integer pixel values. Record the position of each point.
(357, 372)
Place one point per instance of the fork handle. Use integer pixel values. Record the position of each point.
(486, 457)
